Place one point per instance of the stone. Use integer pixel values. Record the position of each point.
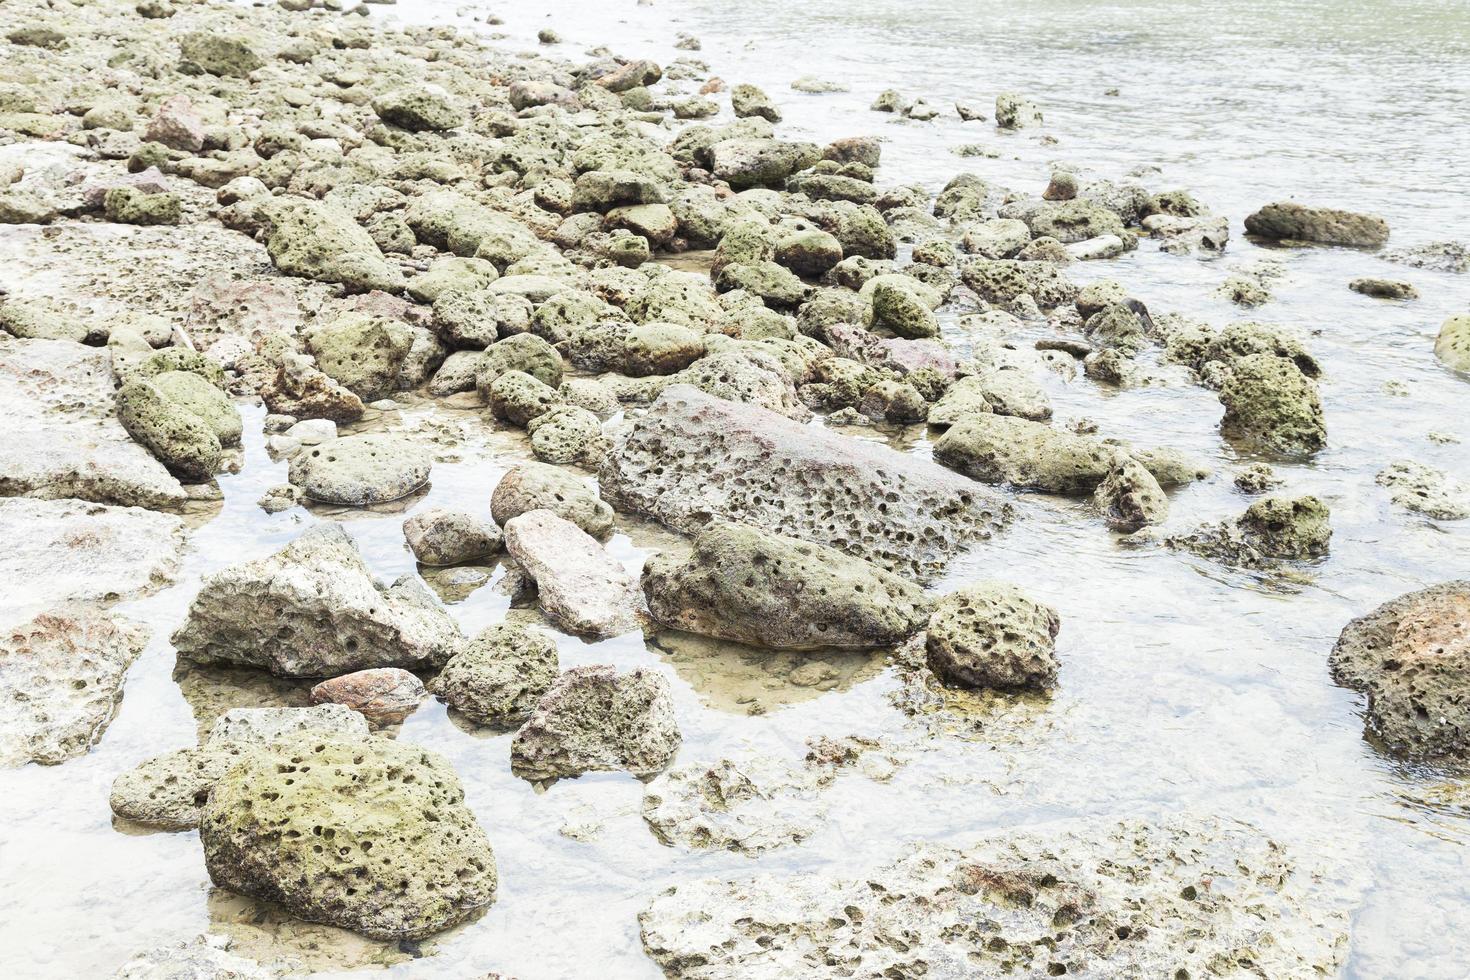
(419, 108)
(1014, 112)
(168, 791)
(260, 726)
(179, 439)
(1024, 454)
(383, 695)
(540, 486)
(1289, 221)
(1384, 288)
(595, 719)
(1002, 281)
(580, 588)
(1426, 490)
(225, 55)
(299, 389)
(991, 634)
(894, 402)
(177, 125)
(693, 458)
(61, 680)
(749, 806)
(901, 309)
(1070, 222)
(313, 609)
(62, 437)
(747, 100)
(808, 253)
(518, 398)
(1007, 391)
(565, 434)
(1054, 901)
(1435, 256)
(1269, 403)
(746, 163)
(525, 353)
(1411, 658)
(1452, 346)
(314, 240)
(1130, 498)
(190, 392)
(364, 834)
(450, 537)
(768, 590)
(451, 274)
(998, 238)
(361, 352)
(58, 551)
(498, 677)
(200, 957)
(131, 206)
(475, 318)
(1273, 529)
(359, 470)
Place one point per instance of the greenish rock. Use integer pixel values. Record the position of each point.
(834, 187)
(893, 401)
(754, 162)
(1129, 498)
(676, 297)
(317, 241)
(131, 206)
(1384, 288)
(965, 397)
(1118, 328)
(198, 397)
(603, 190)
(776, 285)
(365, 834)
(1099, 295)
(525, 353)
(748, 239)
(440, 537)
(595, 719)
(1001, 281)
(1027, 455)
(557, 319)
(169, 791)
(1289, 221)
(768, 590)
(34, 319)
(359, 470)
(177, 438)
(518, 398)
(474, 319)
(419, 108)
(225, 55)
(991, 634)
(451, 274)
(899, 308)
(540, 486)
(747, 100)
(655, 222)
(809, 252)
(1074, 221)
(21, 207)
(1270, 404)
(863, 232)
(1178, 203)
(565, 434)
(1014, 112)
(183, 359)
(998, 238)
(1293, 528)
(1452, 346)
(499, 675)
(361, 352)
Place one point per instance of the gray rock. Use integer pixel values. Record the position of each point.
(499, 675)
(565, 434)
(1130, 498)
(749, 806)
(694, 457)
(313, 609)
(579, 586)
(361, 470)
(318, 241)
(769, 590)
(199, 958)
(1028, 455)
(1289, 221)
(61, 679)
(450, 537)
(1014, 112)
(595, 719)
(258, 726)
(993, 635)
(540, 486)
(1426, 490)
(168, 791)
(1452, 346)
(361, 352)
(1270, 404)
(418, 108)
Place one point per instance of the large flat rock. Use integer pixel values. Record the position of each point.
(62, 438)
(693, 458)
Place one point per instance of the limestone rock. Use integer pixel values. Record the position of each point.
(1130, 498)
(540, 486)
(749, 806)
(360, 470)
(201, 957)
(450, 537)
(362, 353)
(259, 726)
(318, 241)
(993, 635)
(579, 586)
(1426, 490)
(418, 108)
(1271, 404)
(596, 719)
(1289, 221)
(1029, 455)
(499, 675)
(1452, 346)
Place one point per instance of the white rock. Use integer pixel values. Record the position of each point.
(582, 589)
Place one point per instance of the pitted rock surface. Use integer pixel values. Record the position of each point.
(993, 635)
(596, 719)
(694, 458)
(500, 675)
(747, 805)
(360, 470)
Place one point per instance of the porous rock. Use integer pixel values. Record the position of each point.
(597, 719)
(580, 586)
(993, 635)
(499, 675)
(361, 469)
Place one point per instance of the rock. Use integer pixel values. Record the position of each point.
(634, 74)
(1436, 256)
(1024, 904)
(450, 537)
(1014, 112)
(225, 55)
(59, 551)
(1271, 404)
(746, 163)
(769, 590)
(1070, 222)
(365, 834)
(1027, 455)
(498, 677)
(314, 240)
(383, 695)
(525, 353)
(191, 393)
(595, 719)
(362, 353)
(900, 309)
(1273, 529)
(809, 253)
(260, 726)
(203, 956)
(1001, 281)
(177, 437)
(168, 791)
(418, 108)
(518, 398)
(360, 470)
(998, 238)
(1384, 288)
(1130, 498)
(693, 458)
(62, 437)
(993, 635)
(565, 434)
(747, 100)
(61, 679)
(1453, 344)
(579, 586)
(130, 206)
(539, 486)
(1410, 656)
(750, 806)
(1426, 490)
(894, 402)
(300, 390)
(452, 274)
(326, 613)
(1006, 390)
(177, 125)
(1288, 221)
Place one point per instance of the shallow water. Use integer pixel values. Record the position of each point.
(1183, 686)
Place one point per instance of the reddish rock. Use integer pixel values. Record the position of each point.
(384, 695)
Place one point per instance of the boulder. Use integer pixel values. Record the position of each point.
(259, 726)
(565, 434)
(694, 457)
(769, 590)
(498, 677)
(61, 679)
(450, 537)
(318, 241)
(1452, 346)
(364, 834)
(177, 437)
(1273, 529)
(313, 609)
(359, 470)
(993, 635)
(361, 352)
(382, 695)
(1270, 404)
(1012, 111)
(1411, 658)
(1076, 221)
(580, 588)
(1130, 498)
(1289, 221)
(1024, 454)
(1000, 281)
(540, 486)
(418, 108)
(215, 53)
(594, 719)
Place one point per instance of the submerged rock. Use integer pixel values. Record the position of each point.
(1426, 490)
(1288, 221)
(499, 676)
(258, 726)
(693, 458)
(1452, 346)
(313, 609)
(1130, 498)
(1171, 898)
(365, 834)
(579, 586)
(749, 806)
(768, 590)
(596, 719)
(1276, 528)
(201, 957)
(1271, 404)
(1411, 657)
(382, 695)
(361, 470)
(1029, 455)
(61, 679)
(993, 635)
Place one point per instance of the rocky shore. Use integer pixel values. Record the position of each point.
(818, 391)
